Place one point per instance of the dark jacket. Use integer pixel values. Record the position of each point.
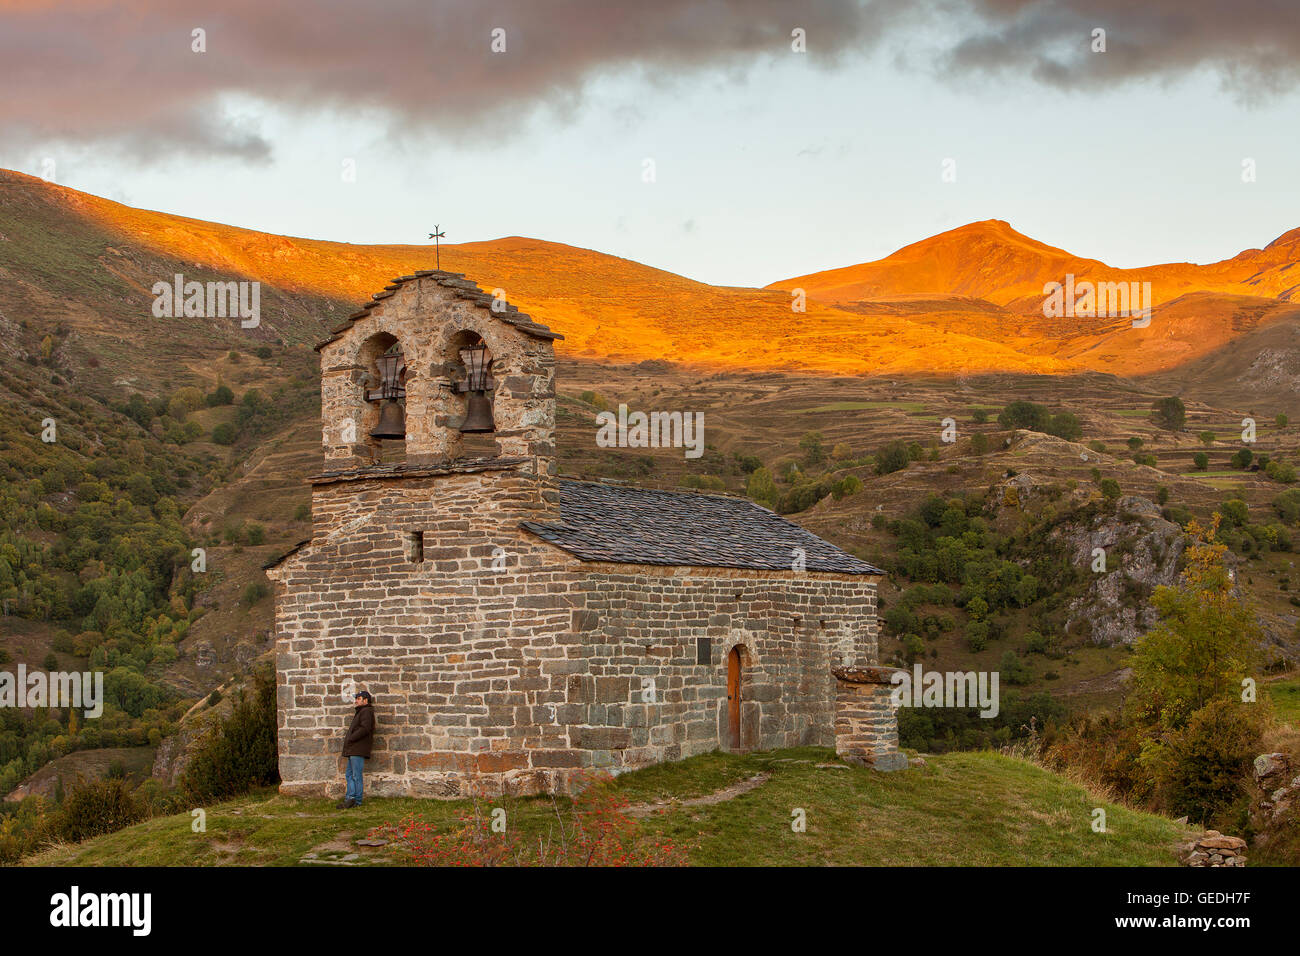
(361, 734)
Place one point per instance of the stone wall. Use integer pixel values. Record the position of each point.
(523, 368)
(866, 722)
(500, 663)
(654, 649)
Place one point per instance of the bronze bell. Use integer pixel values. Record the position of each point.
(392, 422)
(478, 414)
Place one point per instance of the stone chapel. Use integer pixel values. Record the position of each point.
(518, 628)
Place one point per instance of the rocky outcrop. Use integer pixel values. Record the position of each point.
(1281, 794)
(1142, 552)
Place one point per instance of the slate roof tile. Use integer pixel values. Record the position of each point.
(628, 525)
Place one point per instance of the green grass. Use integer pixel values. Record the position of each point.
(961, 809)
(1285, 695)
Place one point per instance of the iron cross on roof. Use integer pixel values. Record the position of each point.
(435, 236)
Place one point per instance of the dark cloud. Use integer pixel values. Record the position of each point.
(123, 74)
(88, 70)
(1253, 45)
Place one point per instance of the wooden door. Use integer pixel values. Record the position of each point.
(733, 697)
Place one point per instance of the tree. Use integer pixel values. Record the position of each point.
(1206, 641)
(1169, 413)
(893, 457)
(1110, 489)
(1281, 420)
(222, 395)
(1065, 425)
(1235, 512)
(1207, 438)
(761, 488)
(814, 451)
(841, 451)
(1013, 669)
(1201, 460)
(1022, 414)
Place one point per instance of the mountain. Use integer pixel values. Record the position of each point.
(991, 261)
(966, 301)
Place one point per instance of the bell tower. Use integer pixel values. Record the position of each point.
(430, 360)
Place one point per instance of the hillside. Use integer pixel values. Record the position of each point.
(959, 810)
(966, 301)
(154, 458)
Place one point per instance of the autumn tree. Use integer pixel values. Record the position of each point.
(1206, 641)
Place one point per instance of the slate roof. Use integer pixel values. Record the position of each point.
(627, 525)
(463, 288)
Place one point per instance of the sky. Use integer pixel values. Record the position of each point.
(690, 135)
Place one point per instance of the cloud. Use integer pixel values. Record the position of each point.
(1254, 45)
(122, 74)
(94, 70)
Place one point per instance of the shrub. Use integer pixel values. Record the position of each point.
(1110, 489)
(596, 831)
(221, 395)
(1236, 513)
(1281, 471)
(1198, 770)
(1013, 669)
(241, 754)
(893, 457)
(848, 485)
(95, 807)
(255, 591)
(224, 434)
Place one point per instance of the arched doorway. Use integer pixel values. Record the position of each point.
(733, 697)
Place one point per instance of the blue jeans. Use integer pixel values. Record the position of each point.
(353, 777)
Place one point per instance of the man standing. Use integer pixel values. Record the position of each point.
(356, 748)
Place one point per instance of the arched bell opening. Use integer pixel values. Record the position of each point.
(384, 387)
(470, 361)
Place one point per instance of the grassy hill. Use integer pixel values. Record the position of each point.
(960, 809)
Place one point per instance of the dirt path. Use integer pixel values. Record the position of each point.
(718, 796)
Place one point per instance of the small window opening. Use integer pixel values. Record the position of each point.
(415, 547)
(703, 650)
